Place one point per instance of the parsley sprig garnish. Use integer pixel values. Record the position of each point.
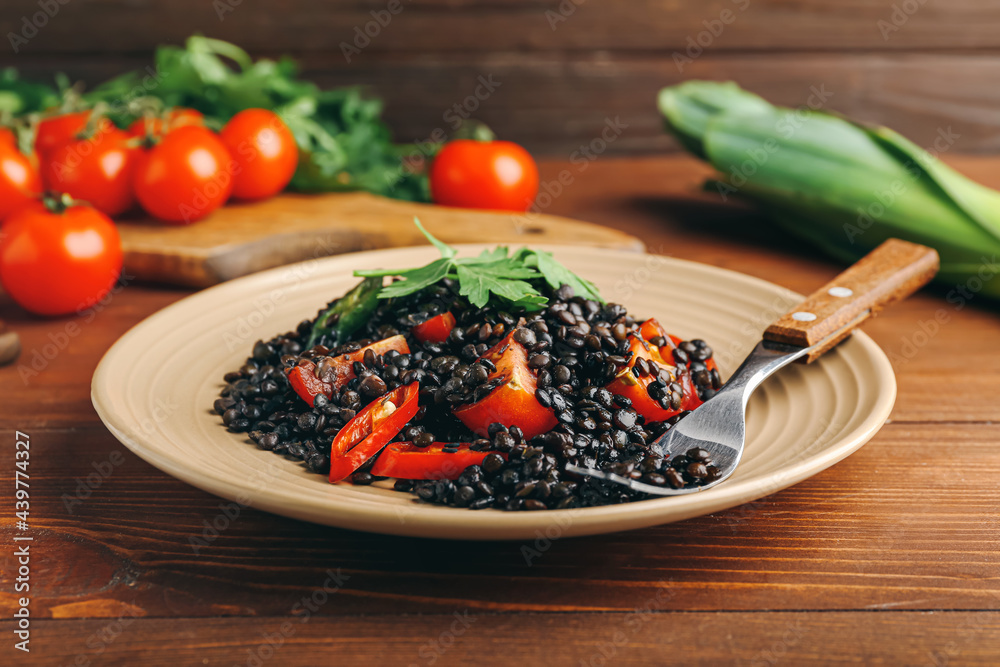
(492, 275)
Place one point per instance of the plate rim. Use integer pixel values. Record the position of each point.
(424, 522)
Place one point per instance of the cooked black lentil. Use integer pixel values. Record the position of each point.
(575, 345)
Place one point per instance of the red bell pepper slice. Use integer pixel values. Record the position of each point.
(405, 460)
(436, 329)
(305, 383)
(369, 431)
(513, 403)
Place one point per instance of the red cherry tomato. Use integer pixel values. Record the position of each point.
(264, 150)
(184, 177)
(176, 117)
(436, 329)
(20, 183)
(97, 170)
(369, 431)
(513, 403)
(305, 383)
(54, 131)
(405, 460)
(55, 261)
(496, 175)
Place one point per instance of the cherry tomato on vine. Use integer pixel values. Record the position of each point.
(20, 182)
(185, 176)
(497, 175)
(54, 131)
(265, 150)
(176, 117)
(97, 170)
(59, 257)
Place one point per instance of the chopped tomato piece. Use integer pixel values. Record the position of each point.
(635, 388)
(513, 403)
(407, 461)
(436, 329)
(369, 431)
(343, 366)
(690, 399)
(650, 329)
(305, 383)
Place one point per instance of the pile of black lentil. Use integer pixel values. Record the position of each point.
(576, 346)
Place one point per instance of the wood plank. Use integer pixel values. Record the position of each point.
(645, 636)
(515, 25)
(239, 239)
(49, 385)
(557, 104)
(886, 528)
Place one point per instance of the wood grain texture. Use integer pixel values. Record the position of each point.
(243, 238)
(888, 274)
(890, 557)
(885, 528)
(642, 637)
(558, 103)
(461, 26)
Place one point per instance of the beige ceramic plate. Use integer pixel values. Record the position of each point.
(155, 387)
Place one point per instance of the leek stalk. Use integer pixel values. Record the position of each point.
(839, 185)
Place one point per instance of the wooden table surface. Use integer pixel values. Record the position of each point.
(890, 557)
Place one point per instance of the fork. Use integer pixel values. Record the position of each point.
(890, 273)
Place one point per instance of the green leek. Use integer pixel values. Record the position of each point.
(839, 185)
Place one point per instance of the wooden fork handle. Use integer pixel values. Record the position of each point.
(889, 273)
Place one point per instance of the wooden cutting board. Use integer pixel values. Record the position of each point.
(243, 238)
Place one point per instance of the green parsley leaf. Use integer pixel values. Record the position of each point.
(530, 303)
(517, 290)
(499, 269)
(556, 274)
(476, 283)
(473, 286)
(500, 252)
(446, 250)
(493, 274)
(413, 280)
